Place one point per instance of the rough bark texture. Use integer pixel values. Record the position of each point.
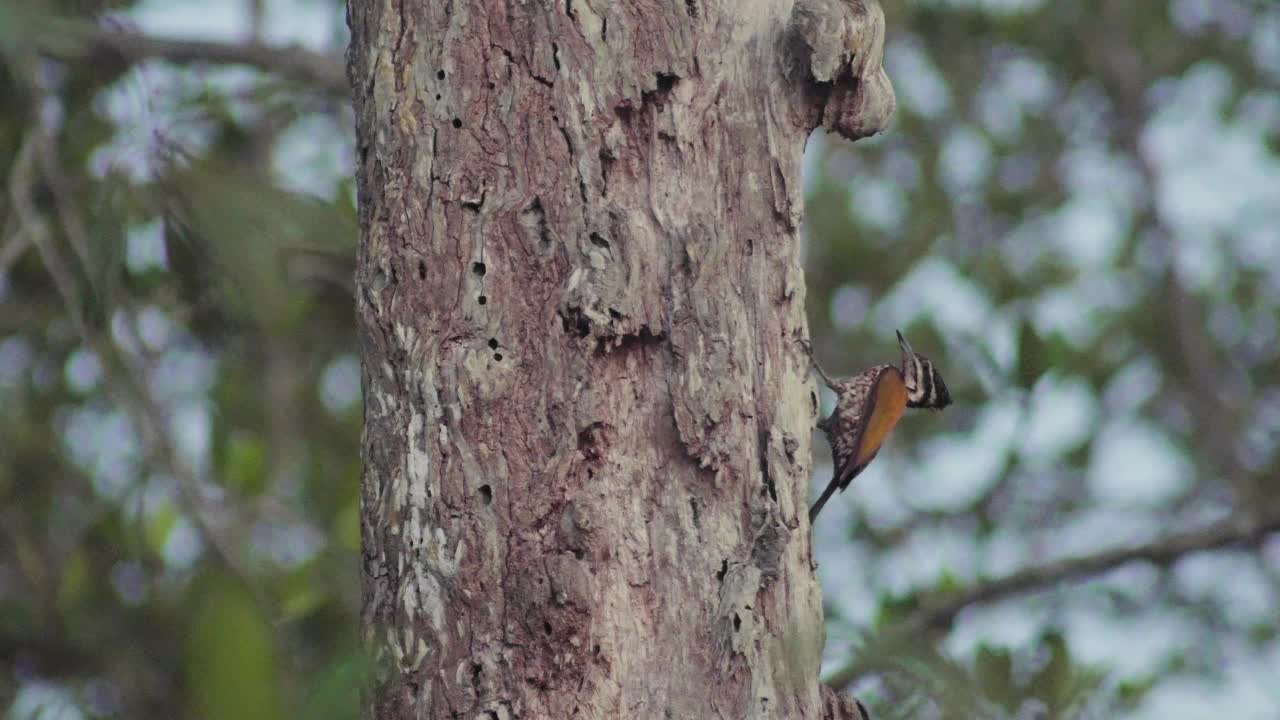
(588, 411)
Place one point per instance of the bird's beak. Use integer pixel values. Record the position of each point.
(903, 344)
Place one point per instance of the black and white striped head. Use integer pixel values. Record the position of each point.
(925, 388)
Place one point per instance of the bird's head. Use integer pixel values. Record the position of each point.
(925, 388)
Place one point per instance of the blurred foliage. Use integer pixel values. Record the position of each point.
(179, 450)
(1071, 215)
(1077, 214)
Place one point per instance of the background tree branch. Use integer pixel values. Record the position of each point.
(326, 72)
(938, 612)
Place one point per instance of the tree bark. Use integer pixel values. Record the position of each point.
(587, 406)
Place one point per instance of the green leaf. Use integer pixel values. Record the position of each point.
(232, 670)
(158, 526)
(300, 593)
(244, 465)
(334, 693)
(993, 668)
(1032, 358)
(25, 26)
(346, 526)
(75, 578)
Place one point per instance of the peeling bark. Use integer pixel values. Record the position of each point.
(587, 412)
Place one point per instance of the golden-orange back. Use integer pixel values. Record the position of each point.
(885, 406)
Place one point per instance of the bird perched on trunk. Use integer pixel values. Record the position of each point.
(868, 405)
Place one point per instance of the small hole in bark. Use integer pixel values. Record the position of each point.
(439, 74)
(497, 356)
(478, 268)
(595, 649)
(575, 322)
(737, 622)
(422, 270)
(476, 670)
(493, 343)
(482, 299)
(555, 55)
(457, 123)
(546, 628)
(613, 313)
(599, 241)
(724, 568)
(486, 494)
(579, 553)
(437, 96)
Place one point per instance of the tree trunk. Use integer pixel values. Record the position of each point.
(587, 407)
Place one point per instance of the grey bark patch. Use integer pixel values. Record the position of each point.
(534, 220)
(769, 544)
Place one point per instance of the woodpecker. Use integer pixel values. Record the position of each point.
(868, 405)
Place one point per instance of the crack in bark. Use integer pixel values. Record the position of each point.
(527, 69)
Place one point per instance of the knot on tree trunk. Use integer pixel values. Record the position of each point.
(838, 705)
(838, 46)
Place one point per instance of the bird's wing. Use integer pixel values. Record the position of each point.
(885, 405)
(853, 425)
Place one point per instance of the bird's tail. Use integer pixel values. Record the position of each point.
(826, 495)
